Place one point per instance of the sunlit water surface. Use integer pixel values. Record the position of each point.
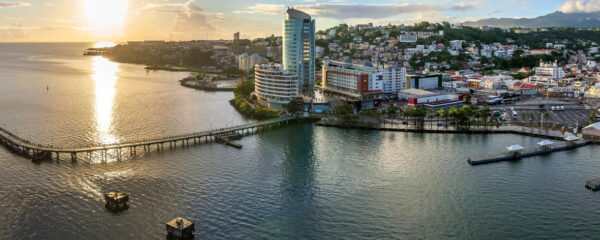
(297, 182)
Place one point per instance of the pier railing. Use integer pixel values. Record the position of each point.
(13, 141)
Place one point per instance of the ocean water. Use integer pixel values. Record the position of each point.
(296, 182)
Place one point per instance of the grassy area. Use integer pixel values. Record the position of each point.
(246, 106)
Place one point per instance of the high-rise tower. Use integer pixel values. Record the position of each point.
(299, 47)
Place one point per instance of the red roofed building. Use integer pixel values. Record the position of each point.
(530, 89)
(458, 78)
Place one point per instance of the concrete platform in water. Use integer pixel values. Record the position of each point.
(525, 153)
(181, 229)
(593, 184)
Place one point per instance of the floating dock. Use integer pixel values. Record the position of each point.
(530, 152)
(593, 184)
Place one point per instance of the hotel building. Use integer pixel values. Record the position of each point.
(274, 87)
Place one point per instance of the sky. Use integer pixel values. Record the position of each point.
(123, 20)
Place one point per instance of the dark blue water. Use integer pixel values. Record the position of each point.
(297, 182)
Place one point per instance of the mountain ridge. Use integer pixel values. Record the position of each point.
(555, 19)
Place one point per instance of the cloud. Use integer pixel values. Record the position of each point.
(14, 4)
(466, 5)
(572, 6)
(13, 18)
(345, 11)
(267, 9)
(18, 32)
(190, 19)
(58, 20)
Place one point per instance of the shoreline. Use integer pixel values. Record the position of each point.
(185, 83)
(524, 131)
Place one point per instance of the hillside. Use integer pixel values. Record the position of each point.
(556, 19)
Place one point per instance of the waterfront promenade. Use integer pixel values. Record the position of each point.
(400, 126)
(39, 151)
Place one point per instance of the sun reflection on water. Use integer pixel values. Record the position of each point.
(105, 79)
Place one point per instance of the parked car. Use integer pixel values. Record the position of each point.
(553, 108)
(562, 108)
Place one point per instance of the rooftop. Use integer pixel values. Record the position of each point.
(295, 14)
(417, 92)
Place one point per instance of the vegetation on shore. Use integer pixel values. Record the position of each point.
(194, 58)
(244, 104)
(462, 118)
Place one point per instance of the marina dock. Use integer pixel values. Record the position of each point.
(528, 152)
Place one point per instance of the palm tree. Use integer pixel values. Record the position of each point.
(444, 115)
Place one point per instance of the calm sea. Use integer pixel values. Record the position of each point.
(297, 182)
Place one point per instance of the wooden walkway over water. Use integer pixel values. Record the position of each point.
(38, 151)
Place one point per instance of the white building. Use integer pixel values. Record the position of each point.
(273, 86)
(394, 79)
(408, 38)
(349, 79)
(319, 51)
(551, 70)
(247, 62)
(358, 79)
(592, 64)
(456, 44)
(454, 84)
(331, 34)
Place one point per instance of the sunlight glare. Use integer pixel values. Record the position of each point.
(105, 14)
(105, 79)
(104, 45)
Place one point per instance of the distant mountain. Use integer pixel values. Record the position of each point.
(555, 19)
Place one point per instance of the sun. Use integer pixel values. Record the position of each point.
(105, 14)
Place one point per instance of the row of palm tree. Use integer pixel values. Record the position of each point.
(462, 118)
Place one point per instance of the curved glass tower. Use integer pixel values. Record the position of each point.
(299, 47)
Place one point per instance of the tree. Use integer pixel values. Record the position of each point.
(195, 57)
(292, 106)
(483, 113)
(418, 114)
(244, 89)
(462, 116)
(345, 110)
(392, 110)
(592, 118)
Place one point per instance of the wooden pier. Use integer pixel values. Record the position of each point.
(35, 151)
(529, 152)
(226, 139)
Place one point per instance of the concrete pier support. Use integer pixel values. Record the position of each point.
(73, 157)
